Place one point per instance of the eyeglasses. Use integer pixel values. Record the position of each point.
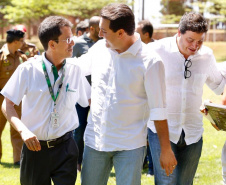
(68, 40)
(187, 64)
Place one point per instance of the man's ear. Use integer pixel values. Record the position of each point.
(178, 33)
(91, 29)
(51, 44)
(146, 35)
(121, 33)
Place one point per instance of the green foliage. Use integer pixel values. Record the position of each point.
(26, 11)
(172, 11)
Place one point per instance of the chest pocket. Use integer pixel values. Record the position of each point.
(71, 97)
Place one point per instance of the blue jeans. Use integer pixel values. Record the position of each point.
(187, 160)
(79, 132)
(97, 165)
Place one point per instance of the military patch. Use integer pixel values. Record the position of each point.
(6, 63)
(27, 53)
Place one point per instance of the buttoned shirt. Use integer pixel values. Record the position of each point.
(184, 96)
(127, 88)
(29, 83)
(8, 63)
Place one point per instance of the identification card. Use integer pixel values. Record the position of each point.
(55, 119)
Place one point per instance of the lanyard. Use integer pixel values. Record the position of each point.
(49, 83)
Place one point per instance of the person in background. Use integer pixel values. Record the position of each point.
(128, 88)
(81, 28)
(28, 49)
(10, 58)
(82, 44)
(145, 29)
(49, 87)
(188, 66)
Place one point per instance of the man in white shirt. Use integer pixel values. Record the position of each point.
(127, 88)
(49, 87)
(188, 66)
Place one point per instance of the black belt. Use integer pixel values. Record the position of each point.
(53, 142)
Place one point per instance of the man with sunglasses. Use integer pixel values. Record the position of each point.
(188, 66)
(49, 87)
(10, 58)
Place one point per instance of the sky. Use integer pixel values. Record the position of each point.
(151, 10)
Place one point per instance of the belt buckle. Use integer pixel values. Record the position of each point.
(48, 143)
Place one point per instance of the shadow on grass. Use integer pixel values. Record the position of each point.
(9, 165)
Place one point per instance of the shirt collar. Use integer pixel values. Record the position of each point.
(47, 63)
(174, 46)
(6, 52)
(135, 47)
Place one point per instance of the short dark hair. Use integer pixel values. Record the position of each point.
(194, 22)
(120, 17)
(49, 29)
(147, 27)
(13, 35)
(82, 26)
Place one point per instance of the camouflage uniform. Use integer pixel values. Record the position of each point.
(8, 64)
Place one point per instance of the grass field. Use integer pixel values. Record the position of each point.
(208, 173)
(209, 169)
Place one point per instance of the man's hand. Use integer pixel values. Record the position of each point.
(205, 111)
(168, 161)
(30, 140)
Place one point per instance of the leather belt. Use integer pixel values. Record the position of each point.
(53, 142)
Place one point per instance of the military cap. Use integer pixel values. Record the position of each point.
(16, 33)
(20, 27)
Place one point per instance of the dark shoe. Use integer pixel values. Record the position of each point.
(150, 173)
(17, 163)
(79, 167)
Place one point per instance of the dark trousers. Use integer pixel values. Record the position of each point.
(58, 164)
(79, 132)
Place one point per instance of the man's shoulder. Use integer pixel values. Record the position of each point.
(205, 50)
(71, 62)
(30, 45)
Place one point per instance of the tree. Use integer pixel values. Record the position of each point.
(31, 11)
(172, 10)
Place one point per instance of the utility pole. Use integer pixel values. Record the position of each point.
(142, 9)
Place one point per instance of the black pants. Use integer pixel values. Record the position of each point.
(58, 164)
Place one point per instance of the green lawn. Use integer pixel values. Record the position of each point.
(209, 169)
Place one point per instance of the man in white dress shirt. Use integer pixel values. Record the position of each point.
(49, 87)
(188, 66)
(128, 87)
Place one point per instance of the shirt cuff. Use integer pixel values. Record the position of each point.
(220, 89)
(158, 114)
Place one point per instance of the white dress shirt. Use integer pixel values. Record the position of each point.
(28, 84)
(127, 88)
(184, 96)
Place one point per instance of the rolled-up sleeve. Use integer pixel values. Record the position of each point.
(216, 80)
(156, 90)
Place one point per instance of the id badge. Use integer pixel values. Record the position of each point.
(55, 119)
